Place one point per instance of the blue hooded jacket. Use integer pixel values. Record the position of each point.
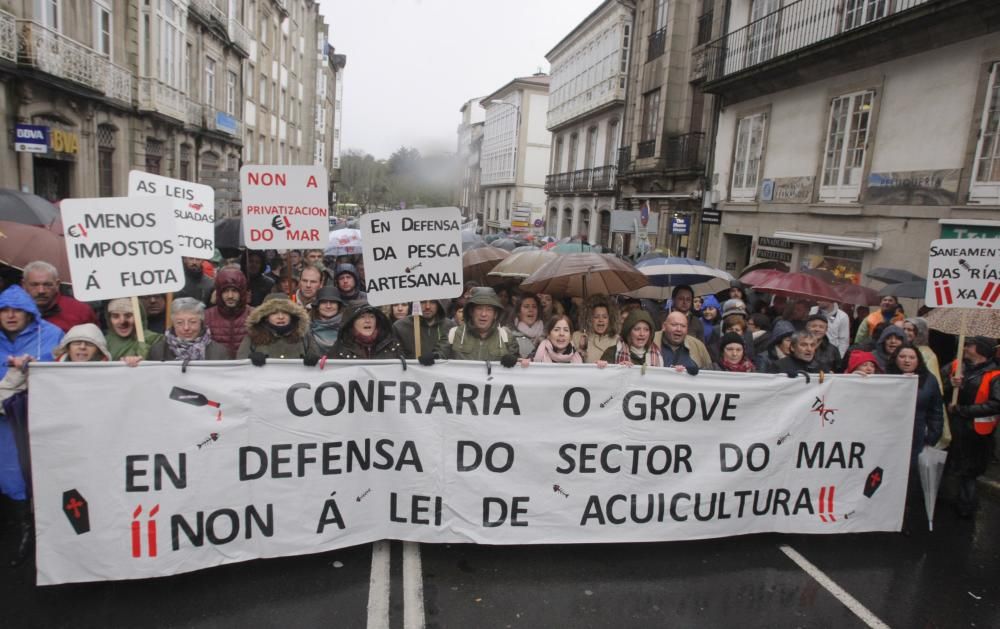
(37, 339)
(709, 301)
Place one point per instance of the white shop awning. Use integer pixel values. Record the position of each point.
(870, 244)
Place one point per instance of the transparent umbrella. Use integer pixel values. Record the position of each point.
(930, 466)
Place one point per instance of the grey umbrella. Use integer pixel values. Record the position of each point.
(912, 290)
(893, 276)
(28, 209)
(505, 243)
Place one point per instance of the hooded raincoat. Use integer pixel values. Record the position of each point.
(262, 337)
(349, 346)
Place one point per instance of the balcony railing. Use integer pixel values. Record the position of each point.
(793, 27)
(646, 149)
(155, 95)
(684, 152)
(53, 53)
(8, 37)
(600, 179)
(657, 44)
(624, 158)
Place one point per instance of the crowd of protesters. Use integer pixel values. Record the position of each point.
(306, 306)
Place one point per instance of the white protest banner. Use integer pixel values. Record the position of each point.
(963, 273)
(194, 210)
(154, 471)
(121, 247)
(285, 207)
(412, 255)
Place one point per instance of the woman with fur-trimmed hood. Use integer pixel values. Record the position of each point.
(599, 321)
(278, 328)
(365, 334)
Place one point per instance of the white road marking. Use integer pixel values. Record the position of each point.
(378, 587)
(838, 592)
(413, 587)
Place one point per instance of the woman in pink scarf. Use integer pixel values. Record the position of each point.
(557, 346)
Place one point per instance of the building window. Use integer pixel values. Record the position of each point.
(574, 147)
(185, 162)
(231, 80)
(746, 164)
(105, 160)
(154, 156)
(49, 13)
(102, 27)
(611, 142)
(262, 91)
(846, 144)
(557, 156)
(261, 149)
(859, 12)
(281, 103)
(210, 81)
(705, 21)
(171, 26)
(762, 33)
(660, 15)
(650, 114)
(590, 154)
(985, 185)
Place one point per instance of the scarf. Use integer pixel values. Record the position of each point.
(546, 353)
(743, 366)
(281, 330)
(326, 331)
(366, 342)
(188, 350)
(535, 331)
(624, 354)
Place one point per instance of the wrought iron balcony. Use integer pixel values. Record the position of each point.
(550, 184)
(795, 26)
(604, 179)
(8, 37)
(53, 53)
(581, 180)
(624, 158)
(564, 182)
(155, 95)
(646, 149)
(684, 152)
(657, 44)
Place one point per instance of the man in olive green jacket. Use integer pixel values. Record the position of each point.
(481, 337)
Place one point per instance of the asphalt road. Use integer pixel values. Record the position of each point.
(946, 578)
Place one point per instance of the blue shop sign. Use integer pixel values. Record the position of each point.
(226, 123)
(680, 225)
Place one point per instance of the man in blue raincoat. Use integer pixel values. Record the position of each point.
(25, 333)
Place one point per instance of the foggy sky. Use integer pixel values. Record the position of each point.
(411, 64)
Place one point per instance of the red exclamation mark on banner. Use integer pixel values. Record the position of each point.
(989, 295)
(288, 223)
(942, 291)
(829, 505)
(151, 531)
(822, 503)
(136, 540)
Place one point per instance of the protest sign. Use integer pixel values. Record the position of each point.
(285, 207)
(963, 273)
(194, 210)
(121, 247)
(236, 462)
(412, 255)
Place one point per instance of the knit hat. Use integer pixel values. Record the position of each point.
(734, 307)
(859, 358)
(731, 337)
(120, 305)
(985, 346)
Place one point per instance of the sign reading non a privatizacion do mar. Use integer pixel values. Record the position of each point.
(285, 207)
(194, 210)
(964, 273)
(229, 462)
(412, 255)
(121, 246)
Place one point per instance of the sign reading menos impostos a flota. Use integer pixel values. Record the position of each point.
(285, 207)
(121, 246)
(412, 255)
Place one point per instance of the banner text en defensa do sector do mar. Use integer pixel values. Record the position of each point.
(155, 471)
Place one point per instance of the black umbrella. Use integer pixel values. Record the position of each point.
(28, 209)
(776, 265)
(912, 290)
(228, 233)
(893, 276)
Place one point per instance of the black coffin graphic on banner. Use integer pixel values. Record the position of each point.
(873, 482)
(76, 510)
(192, 397)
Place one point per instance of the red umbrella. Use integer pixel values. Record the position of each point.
(759, 276)
(798, 286)
(857, 295)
